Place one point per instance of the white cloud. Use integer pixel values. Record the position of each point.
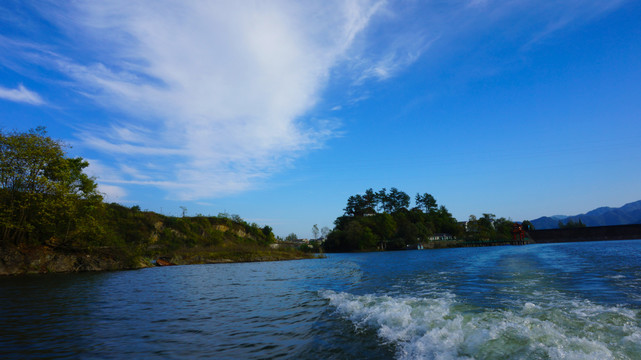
(21, 94)
(217, 95)
(216, 91)
(112, 193)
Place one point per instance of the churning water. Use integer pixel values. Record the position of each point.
(553, 301)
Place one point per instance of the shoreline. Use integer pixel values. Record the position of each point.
(46, 260)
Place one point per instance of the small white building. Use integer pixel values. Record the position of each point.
(441, 237)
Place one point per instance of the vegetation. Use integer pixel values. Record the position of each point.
(527, 225)
(45, 196)
(488, 227)
(46, 200)
(383, 220)
(210, 238)
(571, 224)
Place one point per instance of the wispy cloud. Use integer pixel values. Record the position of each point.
(571, 13)
(213, 96)
(21, 94)
(112, 193)
(217, 92)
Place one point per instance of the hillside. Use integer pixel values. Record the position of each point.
(127, 238)
(53, 219)
(603, 216)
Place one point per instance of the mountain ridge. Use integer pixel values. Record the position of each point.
(629, 213)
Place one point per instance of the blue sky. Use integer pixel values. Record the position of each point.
(278, 111)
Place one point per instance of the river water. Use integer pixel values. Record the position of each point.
(548, 301)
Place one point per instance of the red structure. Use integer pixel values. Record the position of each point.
(517, 232)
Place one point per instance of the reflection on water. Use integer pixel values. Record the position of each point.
(553, 301)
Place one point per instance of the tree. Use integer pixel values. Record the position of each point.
(359, 237)
(325, 231)
(394, 201)
(426, 202)
(370, 201)
(385, 226)
(356, 206)
(406, 231)
(571, 224)
(399, 200)
(269, 234)
(486, 226)
(446, 223)
(45, 196)
(383, 201)
(503, 228)
(472, 226)
(315, 231)
(291, 237)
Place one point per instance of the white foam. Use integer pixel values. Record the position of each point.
(438, 326)
(616, 277)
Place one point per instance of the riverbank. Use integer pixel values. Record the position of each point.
(205, 255)
(128, 238)
(44, 259)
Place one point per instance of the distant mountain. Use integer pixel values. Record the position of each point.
(626, 214)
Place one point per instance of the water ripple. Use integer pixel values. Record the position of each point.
(556, 301)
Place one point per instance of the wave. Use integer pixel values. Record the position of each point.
(439, 326)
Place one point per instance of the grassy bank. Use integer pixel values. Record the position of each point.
(128, 238)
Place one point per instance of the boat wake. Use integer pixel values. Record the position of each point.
(439, 326)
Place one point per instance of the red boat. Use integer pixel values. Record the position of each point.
(163, 262)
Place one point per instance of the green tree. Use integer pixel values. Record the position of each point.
(503, 228)
(359, 237)
(334, 241)
(291, 237)
(406, 231)
(446, 223)
(315, 231)
(399, 200)
(527, 225)
(385, 226)
(393, 201)
(571, 224)
(371, 201)
(356, 206)
(426, 202)
(268, 233)
(472, 227)
(486, 226)
(383, 201)
(45, 196)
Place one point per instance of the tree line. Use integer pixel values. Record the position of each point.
(384, 220)
(489, 227)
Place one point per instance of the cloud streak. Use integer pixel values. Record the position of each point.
(218, 91)
(211, 97)
(22, 95)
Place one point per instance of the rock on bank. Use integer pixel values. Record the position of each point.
(39, 260)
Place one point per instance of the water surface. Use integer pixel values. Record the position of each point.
(549, 301)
